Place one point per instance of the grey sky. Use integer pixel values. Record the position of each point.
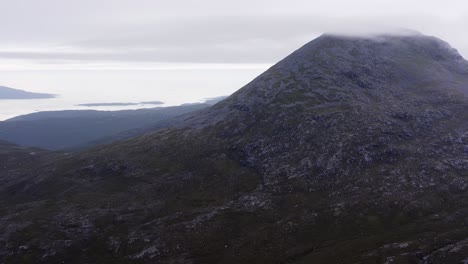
(207, 31)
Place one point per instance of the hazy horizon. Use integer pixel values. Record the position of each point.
(128, 86)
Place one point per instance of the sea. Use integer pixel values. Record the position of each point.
(73, 88)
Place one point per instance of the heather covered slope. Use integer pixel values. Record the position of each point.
(14, 160)
(350, 150)
(11, 153)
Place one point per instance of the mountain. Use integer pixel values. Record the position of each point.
(10, 93)
(59, 130)
(350, 150)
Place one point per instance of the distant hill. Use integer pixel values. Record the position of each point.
(10, 93)
(68, 129)
(78, 129)
(122, 104)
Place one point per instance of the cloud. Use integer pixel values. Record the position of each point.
(197, 37)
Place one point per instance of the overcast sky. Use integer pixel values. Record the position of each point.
(184, 50)
(204, 31)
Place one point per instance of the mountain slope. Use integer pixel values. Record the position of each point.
(350, 150)
(14, 159)
(10, 93)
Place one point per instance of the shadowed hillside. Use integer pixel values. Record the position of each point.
(60, 130)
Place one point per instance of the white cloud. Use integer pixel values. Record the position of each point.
(209, 31)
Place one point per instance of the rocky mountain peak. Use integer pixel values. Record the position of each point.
(353, 70)
(406, 42)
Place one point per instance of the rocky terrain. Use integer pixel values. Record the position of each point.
(350, 150)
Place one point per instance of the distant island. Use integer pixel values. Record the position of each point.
(121, 104)
(7, 93)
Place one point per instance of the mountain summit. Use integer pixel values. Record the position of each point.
(350, 150)
(332, 68)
